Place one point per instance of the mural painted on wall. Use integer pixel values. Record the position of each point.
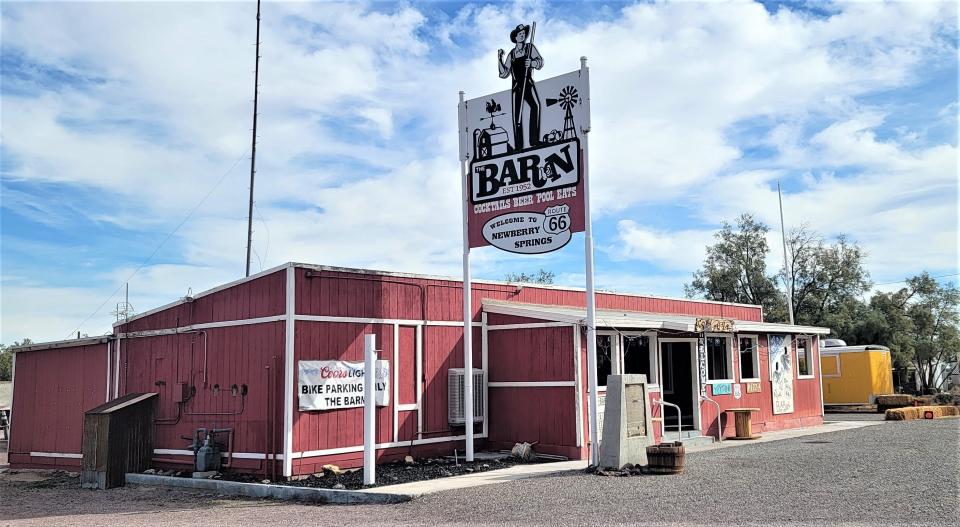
(781, 374)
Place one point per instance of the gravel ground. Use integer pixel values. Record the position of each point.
(893, 474)
(854, 417)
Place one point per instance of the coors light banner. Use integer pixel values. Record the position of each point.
(524, 153)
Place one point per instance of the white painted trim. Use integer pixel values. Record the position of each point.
(695, 378)
(578, 377)
(531, 325)
(57, 344)
(796, 356)
(396, 380)
(385, 321)
(484, 353)
(116, 377)
(816, 342)
(289, 349)
(731, 374)
(653, 358)
(451, 323)
(205, 293)
(756, 356)
(419, 381)
(236, 455)
(531, 384)
(205, 325)
(109, 367)
(407, 407)
(56, 454)
(380, 446)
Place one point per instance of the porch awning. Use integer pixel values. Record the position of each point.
(634, 319)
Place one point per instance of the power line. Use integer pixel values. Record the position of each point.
(165, 240)
(905, 281)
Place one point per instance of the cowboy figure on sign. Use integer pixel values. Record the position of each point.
(519, 64)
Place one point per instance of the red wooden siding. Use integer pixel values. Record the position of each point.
(546, 416)
(350, 294)
(239, 355)
(407, 367)
(327, 429)
(52, 390)
(260, 297)
(535, 354)
(543, 414)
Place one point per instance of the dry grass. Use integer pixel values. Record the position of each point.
(895, 400)
(917, 412)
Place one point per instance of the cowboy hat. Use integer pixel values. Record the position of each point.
(517, 30)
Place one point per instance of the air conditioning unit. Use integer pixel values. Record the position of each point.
(455, 396)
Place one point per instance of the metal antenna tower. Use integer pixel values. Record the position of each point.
(253, 146)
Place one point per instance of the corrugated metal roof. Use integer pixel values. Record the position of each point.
(634, 319)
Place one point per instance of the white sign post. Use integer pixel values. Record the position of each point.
(369, 410)
(523, 166)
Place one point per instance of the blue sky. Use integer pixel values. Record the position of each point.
(119, 118)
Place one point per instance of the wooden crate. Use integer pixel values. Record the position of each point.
(117, 438)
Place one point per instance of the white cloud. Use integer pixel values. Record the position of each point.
(677, 250)
(356, 151)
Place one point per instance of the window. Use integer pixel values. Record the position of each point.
(636, 356)
(604, 352)
(718, 360)
(749, 359)
(804, 357)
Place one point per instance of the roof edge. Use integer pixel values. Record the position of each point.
(55, 344)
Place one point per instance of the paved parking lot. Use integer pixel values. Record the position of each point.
(897, 473)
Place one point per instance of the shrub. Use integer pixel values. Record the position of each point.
(944, 399)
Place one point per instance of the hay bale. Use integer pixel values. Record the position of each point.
(917, 412)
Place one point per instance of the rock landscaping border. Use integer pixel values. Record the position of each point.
(261, 490)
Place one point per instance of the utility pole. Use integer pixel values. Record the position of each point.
(786, 266)
(253, 145)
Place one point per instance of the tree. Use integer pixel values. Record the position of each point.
(920, 325)
(825, 280)
(6, 359)
(735, 269)
(540, 277)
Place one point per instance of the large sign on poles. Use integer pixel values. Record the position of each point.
(525, 171)
(523, 155)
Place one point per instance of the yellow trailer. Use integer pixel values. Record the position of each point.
(855, 374)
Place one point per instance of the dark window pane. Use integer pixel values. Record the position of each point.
(604, 346)
(716, 358)
(747, 351)
(636, 355)
(803, 357)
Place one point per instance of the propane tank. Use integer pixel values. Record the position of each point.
(208, 455)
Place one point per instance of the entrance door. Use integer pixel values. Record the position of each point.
(677, 379)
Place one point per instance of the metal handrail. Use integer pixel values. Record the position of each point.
(704, 397)
(663, 422)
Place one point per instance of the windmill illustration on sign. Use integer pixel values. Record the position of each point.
(567, 99)
(489, 142)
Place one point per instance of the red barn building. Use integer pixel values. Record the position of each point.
(227, 358)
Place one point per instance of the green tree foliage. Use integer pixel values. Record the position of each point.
(826, 279)
(735, 269)
(6, 359)
(921, 325)
(540, 277)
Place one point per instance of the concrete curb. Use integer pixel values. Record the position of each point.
(280, 492)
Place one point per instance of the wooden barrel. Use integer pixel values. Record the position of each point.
(665, 458)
